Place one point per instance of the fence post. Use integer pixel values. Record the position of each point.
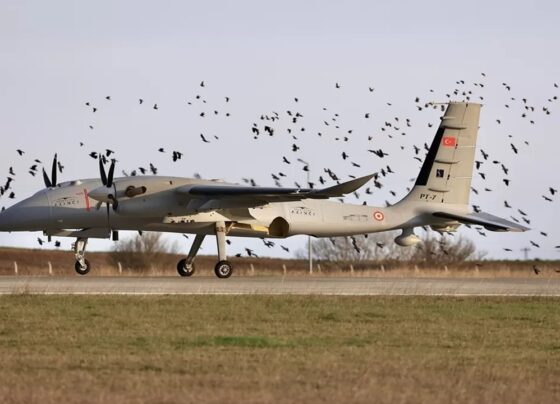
(252, 270)
(15, 268)
(284, 269)
(416, 270)
(120, 268)
(382, 268)
(319, 268)
(351, 269)
(446, 269)
(50, 268)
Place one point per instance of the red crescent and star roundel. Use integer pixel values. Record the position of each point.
(378, 215)
(449, 141)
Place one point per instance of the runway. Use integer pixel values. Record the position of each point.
(356, 286)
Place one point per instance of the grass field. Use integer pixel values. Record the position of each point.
(278, 349)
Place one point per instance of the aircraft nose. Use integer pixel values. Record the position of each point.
(32, 214)
(8, 219)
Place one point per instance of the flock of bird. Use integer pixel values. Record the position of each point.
(390, 143)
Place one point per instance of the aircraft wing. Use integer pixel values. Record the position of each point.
(254, 196)
(490, 222)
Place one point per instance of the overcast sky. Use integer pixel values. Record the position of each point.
(56, 56)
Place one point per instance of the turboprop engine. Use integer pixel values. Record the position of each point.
(407, 238)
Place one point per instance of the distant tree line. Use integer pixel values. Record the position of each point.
(434, 249)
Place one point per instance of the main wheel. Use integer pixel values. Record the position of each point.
(82, 270)
(185, 269)
(223, 269)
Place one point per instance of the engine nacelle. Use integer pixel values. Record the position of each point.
(407, 238)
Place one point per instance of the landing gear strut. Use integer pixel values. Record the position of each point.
(185, 267)
(223, 268)
(82, 265)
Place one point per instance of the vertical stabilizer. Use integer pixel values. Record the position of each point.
(447, 171)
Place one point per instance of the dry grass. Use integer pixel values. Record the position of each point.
(36, 262)
(278, 349)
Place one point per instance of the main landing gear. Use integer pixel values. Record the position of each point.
(223, 268)
(82, 265)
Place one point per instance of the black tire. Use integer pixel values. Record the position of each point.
(223, 269)
(182, 268)
(82, 270)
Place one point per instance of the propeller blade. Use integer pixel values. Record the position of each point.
(114, 201)
(102, 172)
(46, 179)
(110, 176)
(53, 172)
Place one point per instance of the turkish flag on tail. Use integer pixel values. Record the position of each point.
(449, 141)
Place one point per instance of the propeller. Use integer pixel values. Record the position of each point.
(51, 182)
(107, 180)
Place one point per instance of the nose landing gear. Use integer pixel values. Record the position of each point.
(82, 265)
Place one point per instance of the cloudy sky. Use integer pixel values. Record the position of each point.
(56, 56)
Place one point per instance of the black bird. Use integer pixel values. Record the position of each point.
(108, 98)
(161, 150)
(251, 253)
(285, 160)
(285, 248)
(40, 241)
(552, 190)
(177, 156)
(20, 152)
(536, 270)
(57, 243)
(204, 139)
(140, 101)
(155, 106)
(546, 198)
(513, 148)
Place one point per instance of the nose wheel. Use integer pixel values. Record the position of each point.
(223, 269)
(82, 268)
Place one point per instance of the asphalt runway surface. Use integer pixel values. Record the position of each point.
(343, 286)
